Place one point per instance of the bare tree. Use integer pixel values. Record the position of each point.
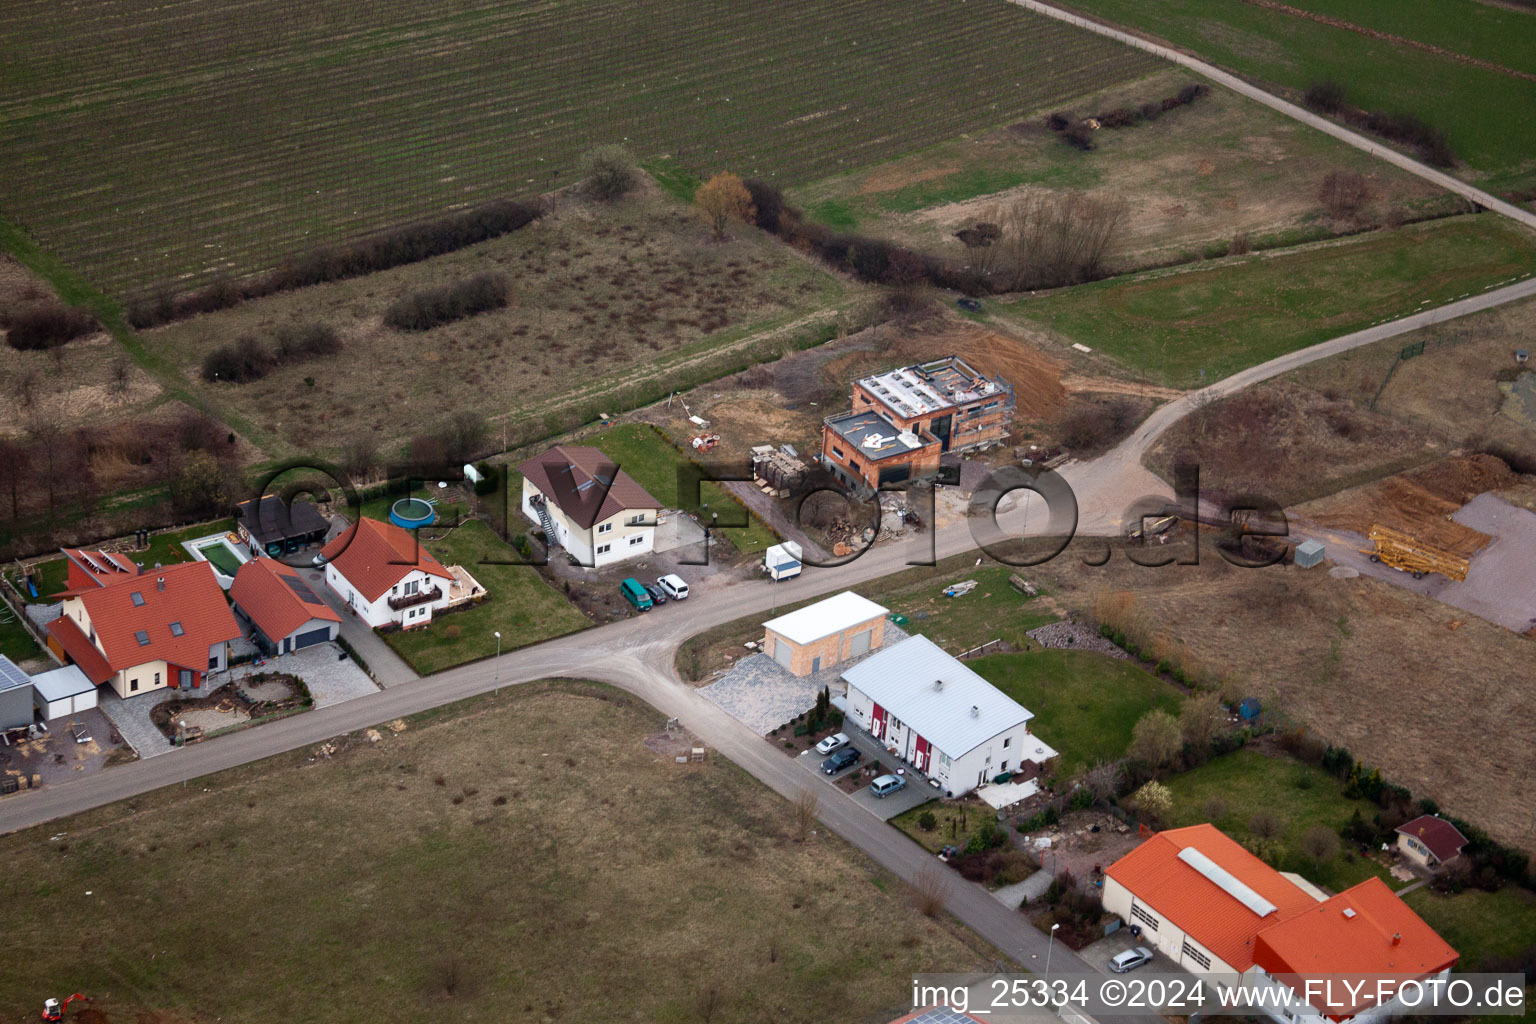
(930, 891)
(709, 1002)
(1344, 194)
(1049, 240)
(723, 199)
(1321, 844)
(119, 377)
(47, 433)
(1215, 808)
(1201, 719)
(15, 464)
(1155, 739)
(1104, 779)
(1264, 825)
(807, 806)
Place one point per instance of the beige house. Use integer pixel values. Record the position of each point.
(1429, 842)
(588, 505)
(825, 634)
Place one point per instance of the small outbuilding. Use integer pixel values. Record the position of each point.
(282, 611)
(826, 633)
(271, 526)
(1309, 553)
(62, 692)
(15, 696)
(1429, 841)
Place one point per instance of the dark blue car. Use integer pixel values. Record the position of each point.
(845, 758)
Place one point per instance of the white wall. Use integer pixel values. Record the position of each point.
(585, 544)
(1167, 938)
(378, 613)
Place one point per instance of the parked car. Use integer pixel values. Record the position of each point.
(845, 758)
(674, 585)
(1130, 959)
(635, 594)
(885, 785)
(836, 741)
(658, 595)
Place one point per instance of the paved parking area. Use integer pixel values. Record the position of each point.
(331, 679)
(132, 718)
(1100, 953)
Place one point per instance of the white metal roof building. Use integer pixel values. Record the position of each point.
(932, 711)
(824, 618)
(15, 696)
(63, 692)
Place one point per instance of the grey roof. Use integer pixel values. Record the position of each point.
(64, 682)
(11, 676)
(874, 437)
(1310, 547)
(902, 680)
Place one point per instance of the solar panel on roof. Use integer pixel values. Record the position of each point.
(944, 1015)
(10, 675)
(301, 588)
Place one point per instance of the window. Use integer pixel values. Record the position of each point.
(895, 722)
(177, 630)
(637, 520)
(943, 759)
(603, 549)
(1003, 767)
(605, 528)
(133, 686)
(638, 538)
(157, 678)
(1145, 918)
(142, 637)
(1195, 955)
(1007, 740)
(411, 587)
(837, 451)
(138, 599)
(213, 662)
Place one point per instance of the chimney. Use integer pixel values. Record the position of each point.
(938, 684)
(160, 583)
(975, 711)
(1397, 938)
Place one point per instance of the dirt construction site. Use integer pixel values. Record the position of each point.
(1452, 509)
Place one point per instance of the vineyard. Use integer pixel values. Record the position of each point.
(146, 142)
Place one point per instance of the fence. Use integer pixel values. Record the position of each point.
(976, 652)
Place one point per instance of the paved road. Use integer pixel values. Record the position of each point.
(1292, 111)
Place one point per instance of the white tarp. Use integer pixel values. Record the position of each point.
(1008, 793)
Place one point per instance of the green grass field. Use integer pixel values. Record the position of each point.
(993, 611)
(522, 606)
(1085, 704)
(519, 859)
(182, 142)
(1298, 794)
(1480, 924)
(164, 549)
(15, 642)
(1190, 326)
(654, 462)
(1489, 116)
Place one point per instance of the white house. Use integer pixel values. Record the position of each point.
(385, 576)
(941, 718)
(586, 504)
(1215, 909)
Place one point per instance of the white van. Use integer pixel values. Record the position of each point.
(782, 561)
(674, 586)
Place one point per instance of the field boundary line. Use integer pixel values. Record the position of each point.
(1289, 109)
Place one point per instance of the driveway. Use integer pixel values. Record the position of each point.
(330, 677)
(131, 717)
(386, 667)
(1100, 953)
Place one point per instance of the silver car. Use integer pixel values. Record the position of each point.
(1130, 959)
(837, 741)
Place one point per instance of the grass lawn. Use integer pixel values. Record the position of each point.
(522, 606)
(164, 549)
(501, 860)
(1299, 795)
(956, 820)
(1489, 116)
(654, 462)
(378, 508)
(1085, 704)
(1478, 924)
(993, 611)
(15, 642)
(1189, 326)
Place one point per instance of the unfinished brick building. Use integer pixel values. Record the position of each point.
(904, 420)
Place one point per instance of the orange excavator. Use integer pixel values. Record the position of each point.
(53, 1010)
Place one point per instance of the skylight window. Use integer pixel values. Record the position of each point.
(138, 599)
(142, 637)
(176, 629)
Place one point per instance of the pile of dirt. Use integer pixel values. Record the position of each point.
(1421, 502)
(1036, 377)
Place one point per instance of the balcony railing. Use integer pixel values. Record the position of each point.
(411, 600)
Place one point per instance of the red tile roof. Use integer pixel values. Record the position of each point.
(190, 597)
(374, 556)
(587, 485)
(80, 649)
(1204, 910)
(276, 598)
(89, 569)
(1366, 929)
(1443, 839)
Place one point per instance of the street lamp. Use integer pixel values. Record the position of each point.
(497, 634)
(1049, 944)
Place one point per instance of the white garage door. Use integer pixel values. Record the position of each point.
(859, 644)
(782, 652)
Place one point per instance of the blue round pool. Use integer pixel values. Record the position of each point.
(412, 513)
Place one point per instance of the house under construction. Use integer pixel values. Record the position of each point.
(904, 420)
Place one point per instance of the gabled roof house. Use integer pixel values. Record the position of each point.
(384, 575)
(142, 632)
(588, 505)
(283, 611)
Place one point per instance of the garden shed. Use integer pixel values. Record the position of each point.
(63, 692)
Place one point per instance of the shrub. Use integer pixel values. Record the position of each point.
(608, 173)
(296, 343)
(1191, 92)
(1082, 799)
(433, 307)
(927, 822)
(46, 325)
(1151, 111)
(1343, 194)
(247, 359)
(1059, 121)
(1120, 117)
(1079, 136)
(1106, 630)
(767, 201)
(1326, 96)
